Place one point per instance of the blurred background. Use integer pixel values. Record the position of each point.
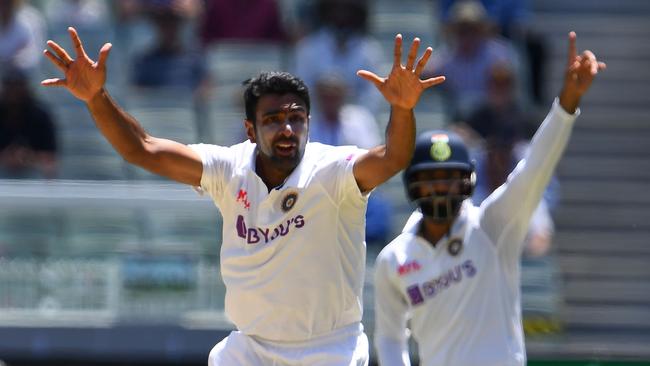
(103, 263)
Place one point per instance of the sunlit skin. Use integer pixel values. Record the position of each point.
(280, 130)
(580, 73)
(401, 88)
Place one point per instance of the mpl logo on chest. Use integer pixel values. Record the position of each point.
(242, 196)
(408, 267)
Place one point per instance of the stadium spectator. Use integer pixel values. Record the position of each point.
(27, 132)
(134, 29)
(501, 111)
(512, 19)
(242, 20)
(87, 14)
(500, 129)
(170, 62)
(129, 10)
(341, 45)
(22, 32)
(335, 121)
(469, 51)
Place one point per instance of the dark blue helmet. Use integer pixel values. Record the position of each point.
(439, 150)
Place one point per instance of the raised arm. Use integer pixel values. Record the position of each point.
(85, 79)
(401, 89)
(507, 211)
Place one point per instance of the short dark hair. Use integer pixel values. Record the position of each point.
(272, 82)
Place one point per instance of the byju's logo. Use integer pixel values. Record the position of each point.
(254, 235)
(419, 292)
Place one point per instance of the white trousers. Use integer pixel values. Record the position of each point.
(239, 349)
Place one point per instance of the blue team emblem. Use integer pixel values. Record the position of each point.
(455, 246)
(289, 200)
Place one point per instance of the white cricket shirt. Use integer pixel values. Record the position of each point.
(462, 296)
(292, 259)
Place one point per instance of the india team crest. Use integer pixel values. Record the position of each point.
(440, 150)
(288, 200)
(455, 246)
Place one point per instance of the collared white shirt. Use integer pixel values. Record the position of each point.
(292, 259)
(463, 295)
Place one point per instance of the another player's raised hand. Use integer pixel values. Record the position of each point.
(580, 72)
(403, 87)
(84, 78)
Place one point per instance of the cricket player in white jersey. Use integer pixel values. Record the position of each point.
(293, 251)
(454, 270)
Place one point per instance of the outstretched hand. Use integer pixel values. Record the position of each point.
(403, 86)
(84, 78)
(580, 72)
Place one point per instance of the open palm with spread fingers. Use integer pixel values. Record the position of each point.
(403, 86)
(84, 78)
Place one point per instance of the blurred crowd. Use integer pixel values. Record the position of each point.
(492, 58)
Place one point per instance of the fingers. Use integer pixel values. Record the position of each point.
(572, 47)
(432, 81)
(423, 61)
(77, 43)
(370, 76)
(589, 63)
(53, 82)
(413, 52)
(397, 61)
(55, 60)
(60, 52)
(103, 55)
(595, 64)
(592, 64)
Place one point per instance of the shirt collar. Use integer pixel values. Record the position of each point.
(293, 180)
(457, 230)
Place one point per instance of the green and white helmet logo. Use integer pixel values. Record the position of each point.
(440, 150)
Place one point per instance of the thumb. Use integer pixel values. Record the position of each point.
(433, 81)
(103, 55)
(370, 76)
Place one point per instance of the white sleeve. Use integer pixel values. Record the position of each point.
(541, 221)
(337, 174)
(506, 213)
(391, 315)
(218, 164)
(413, 222)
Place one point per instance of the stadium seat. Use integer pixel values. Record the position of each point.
(234, 62)
(100, 231)
(92, 168)
(185, 230)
